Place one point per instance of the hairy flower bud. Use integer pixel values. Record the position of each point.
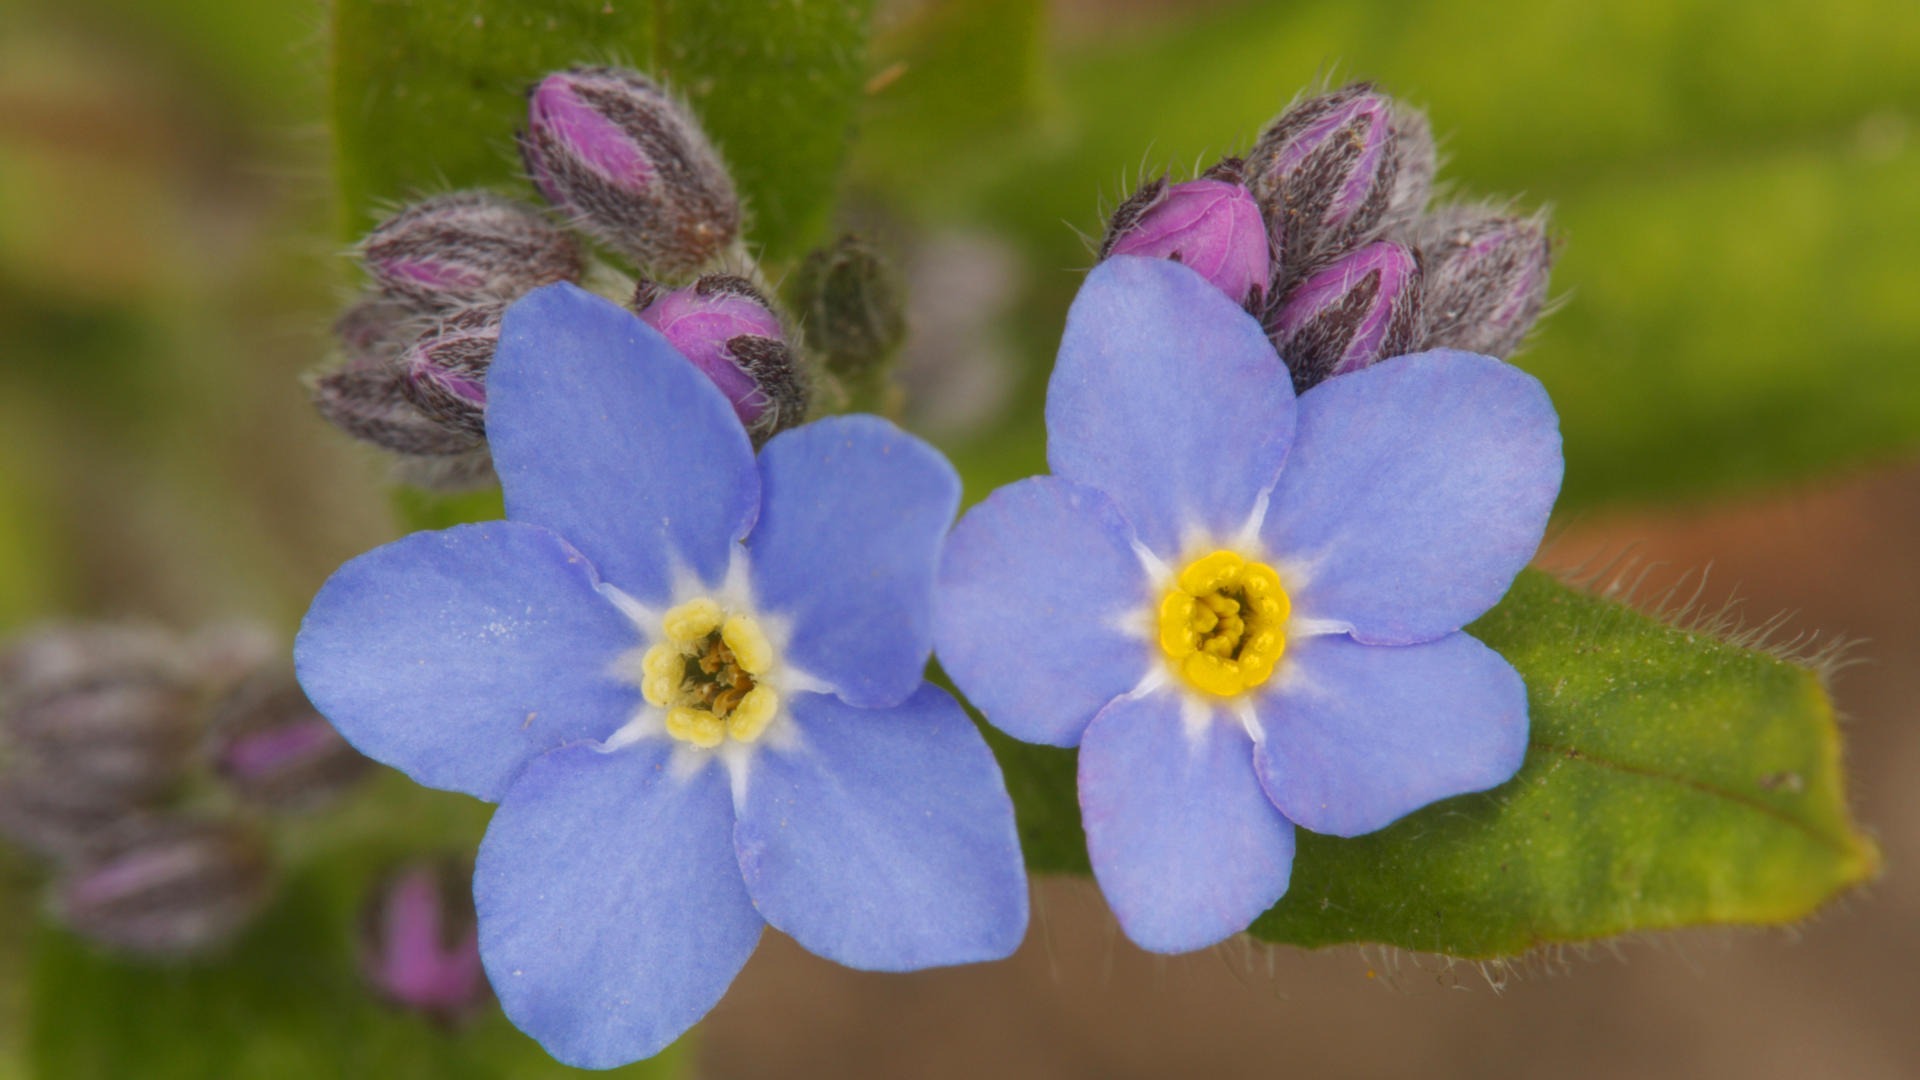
(468, 247)
(420, 946)
(1363, 307)
(109, 711)
(371, 404)
(852, 307)
(167, 887)
(446, 370)
(1486, 278)
(272, 747)
(1211, 226)
(1418, 162)
(728, 330)
(1326, 173)
(630, 164)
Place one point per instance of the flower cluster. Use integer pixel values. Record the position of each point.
(623, 162)
(1242, 607)
(115, 741)
(1323, 232)
(689, 664)
(692, 678)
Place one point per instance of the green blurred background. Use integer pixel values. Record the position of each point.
(1737, 363)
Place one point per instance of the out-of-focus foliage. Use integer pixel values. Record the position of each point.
(1738, 188)
(428, 96)
(1671, 780)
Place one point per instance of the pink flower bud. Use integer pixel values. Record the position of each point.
(729, 331)
(1486, 278)
(1211, 226)
(467, 248)
(446, 370)
(630, 164)
(420, 944)
(273, 748)
(1328, 173)
(167, 887)
(1363, 307)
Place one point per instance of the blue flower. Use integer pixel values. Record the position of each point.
(1243, 608)
(693, 682)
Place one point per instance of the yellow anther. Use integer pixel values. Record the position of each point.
(755, 711)
(659, 691)
(697, 726)
(704, 671)
(751, 649)
(1223, 623)
(691, 621)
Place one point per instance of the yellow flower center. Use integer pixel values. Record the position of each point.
(1223, 623)
(706, 673)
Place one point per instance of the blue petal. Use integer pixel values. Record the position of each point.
(456, 656)
(885, 839)
(1036, 587)
(1357, 736)
(848, 540)
(1416, 490)
(1169, 398)
(1184, 843)
(605, 434)
(612, 915)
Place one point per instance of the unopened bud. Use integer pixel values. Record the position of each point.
(468, 247)
(728, 330)
(1363, 307)
(1326, 172)
(272, 747)
(107, 710)
(1418, 162)
(167, 887)
(375, 328)
(1211, 226)
(420, 941)
(372, 405)
(221, 654)
(446, 370)
(630, 164)
(851, 305)
(45, 814)
(1486, 278)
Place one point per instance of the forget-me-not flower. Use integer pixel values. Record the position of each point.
(1245, 609)
(693, 682)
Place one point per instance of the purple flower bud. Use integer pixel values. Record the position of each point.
(1211, 226)
(1486, 278)
(1361, 308)
(728, 330)
(466, 248)
(109, 711)
(630, 165)
(167, 887)
(45, 814)
(1326, 172)
(1413, 181)
(371, 405)
(420, 942)
(446, 370)
(272, 747)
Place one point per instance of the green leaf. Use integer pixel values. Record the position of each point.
(427, 96)
(1737, 223)
(288, 1000)
(1672, 780)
